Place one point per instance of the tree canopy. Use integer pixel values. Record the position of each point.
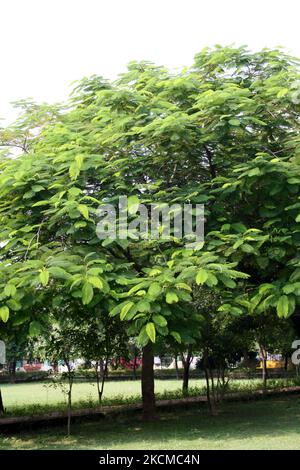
(223, 133)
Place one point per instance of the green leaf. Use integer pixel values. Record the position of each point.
(176, 336)
(125, 309)
(116, 310)
(143, 306)
(282, 92)
(227, 281)
(150, 330)
(44, 277)
(246, 248)
(254, 172)
(4, 313)
(171, 297)
(184, 286)
(201, 276)
(79, 161)
(41, 203)
(35, 328)
(159, 320)
(154, 289)
(95, 281)
(211, 280)
(84, 210)
(143, 337)
(87, 293)
(74, 171)
(133, 204)
(58, 273)
(10, 290)
(14, 305)
(37, 188)
(283, 306)
(234, 122)
(292, 305)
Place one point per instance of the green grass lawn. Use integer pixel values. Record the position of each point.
(266, 424)
(15, 395)
(39, 397)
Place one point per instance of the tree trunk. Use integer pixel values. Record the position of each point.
(104, 375)
(12, 371)
(210, 391)
(2, 410)
(134, 366)
(176, 367)
(263, 354)
(69, 411)
(69, 393)
(207, 389)
(247, 362)
(149, 410)
(186, 361)
(264, 372)
(101, 367)
(98, 381)
(286, 364)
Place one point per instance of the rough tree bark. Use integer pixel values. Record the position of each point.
(149, 409)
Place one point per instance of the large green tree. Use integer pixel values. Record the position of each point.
(222, 133)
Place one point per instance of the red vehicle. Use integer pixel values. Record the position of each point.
(33, 367)
(133, 363)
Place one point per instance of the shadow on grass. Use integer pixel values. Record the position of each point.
(267, 424)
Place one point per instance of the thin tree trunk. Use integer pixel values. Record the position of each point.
(210, 392)
(264, 372)
(69, 411)
(263, 355)
(186, 369)
(286, 364)
(246, 358)
(207, 389)
(134, 366)
(101, 367)
(176, 367)
(104, 375)
(2, 410)
(98, 381)
(214, 410)
(12, 371)
(149, 409)
(70, 383)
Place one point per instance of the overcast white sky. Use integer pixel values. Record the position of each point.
(47, 44)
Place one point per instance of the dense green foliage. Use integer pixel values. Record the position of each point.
(223, 132)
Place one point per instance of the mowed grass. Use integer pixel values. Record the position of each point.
(39, 397)
(266, 424)
(42, 393)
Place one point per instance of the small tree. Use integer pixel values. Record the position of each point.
(100, 339)
(62, 344)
